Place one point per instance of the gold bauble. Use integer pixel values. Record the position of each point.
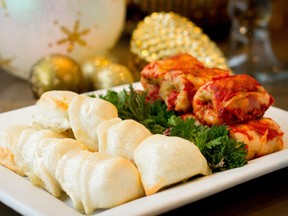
(164, 34)
(56, 72)
(112, 75)
(92, 66)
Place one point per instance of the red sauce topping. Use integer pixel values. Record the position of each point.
(178, 62)
(171, 100)
(226, 87)
(260, 126)
(153, 93)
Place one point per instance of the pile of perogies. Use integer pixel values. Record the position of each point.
(78, 145)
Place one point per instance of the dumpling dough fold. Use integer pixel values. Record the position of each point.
(85, 114)
(8, 141)
(98, 181)
(121, 138)
(25, 149)
(47, 156)
(52, 110)
(163, 161)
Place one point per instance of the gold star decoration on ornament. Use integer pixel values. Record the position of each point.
(5, 63)
(73, 37)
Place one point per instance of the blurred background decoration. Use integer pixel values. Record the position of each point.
(33, 29)
(101, 72)
(249, 45)
(97, 36)
(56, 72)
(164, 34)
(213, 18)
(210, 15)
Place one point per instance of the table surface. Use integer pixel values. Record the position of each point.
(266, 195)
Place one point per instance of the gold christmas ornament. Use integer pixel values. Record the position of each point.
(91, 67)
(56, 72)
(165, 34)
(77, 29)
(112, 75)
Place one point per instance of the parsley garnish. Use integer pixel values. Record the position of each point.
(132, 104)
(221, 151)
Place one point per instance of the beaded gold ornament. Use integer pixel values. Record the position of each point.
(165, 34)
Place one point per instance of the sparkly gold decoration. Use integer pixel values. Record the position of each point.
(165, 34)
(56, 72)
(74, 36)
(111, 75)
(91, 67)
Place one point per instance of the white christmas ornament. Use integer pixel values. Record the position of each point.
(33, 29)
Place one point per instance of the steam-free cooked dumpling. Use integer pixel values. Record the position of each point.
(120, 138)
(24, 151)
(108, 181)
(68, 175)
(8, 140)
(102, 132)
(52, 110)
(47, 156)
(163, 161)
(85, 114)
(98, 181)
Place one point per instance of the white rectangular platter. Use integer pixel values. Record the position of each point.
(18, 193)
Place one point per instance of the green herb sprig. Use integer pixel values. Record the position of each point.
(221, 151)
(133, 104)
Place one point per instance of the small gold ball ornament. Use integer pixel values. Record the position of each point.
(112, 75)
(56, 72)
(91, 67)
(164, 34)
